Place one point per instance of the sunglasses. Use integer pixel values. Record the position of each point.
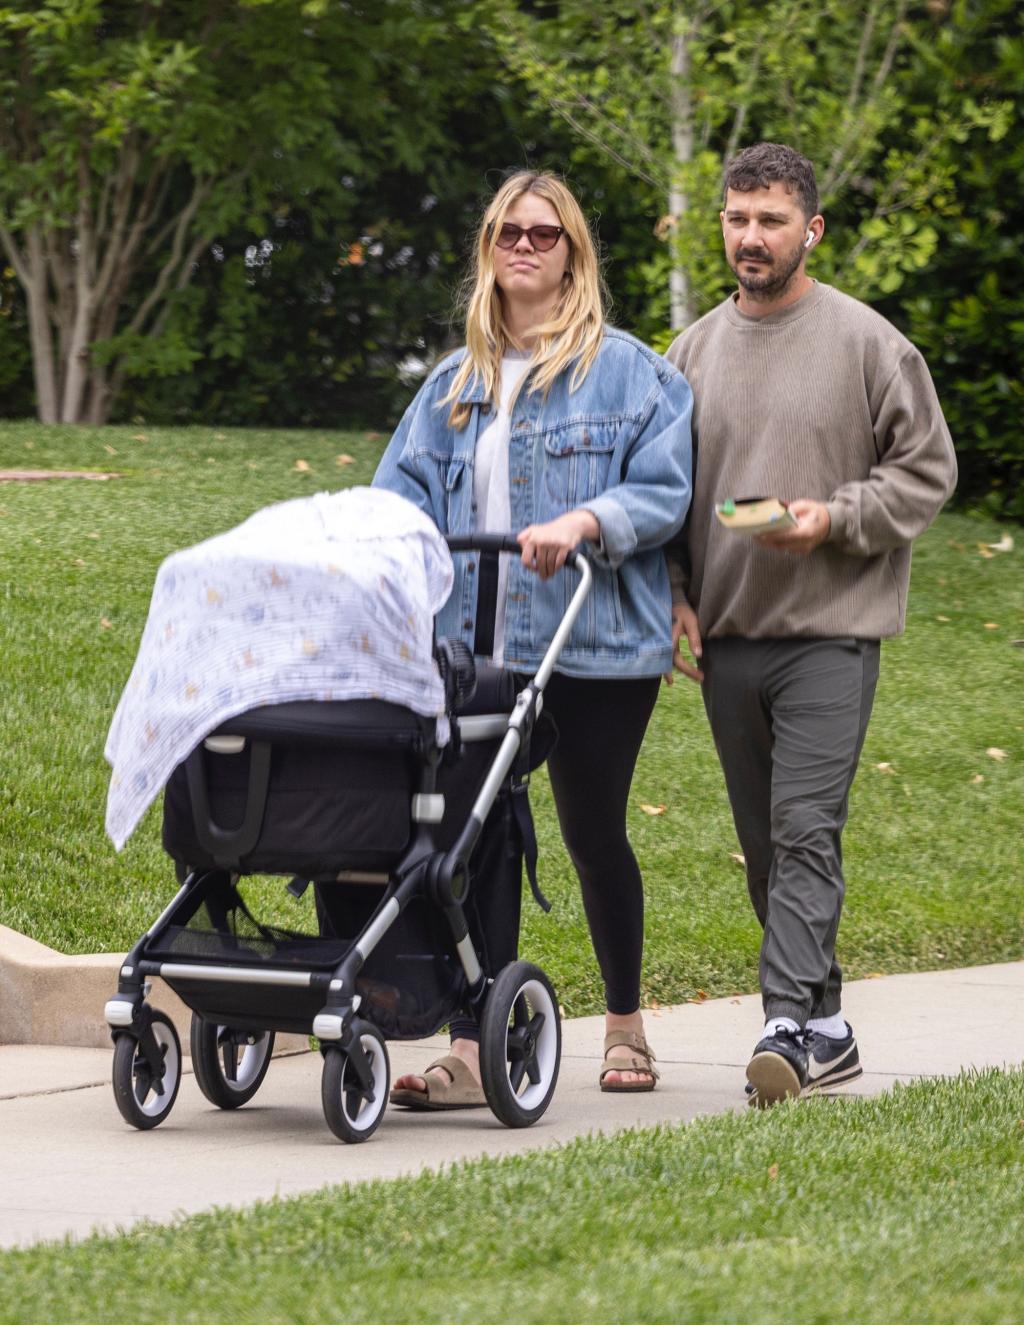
(541, 237)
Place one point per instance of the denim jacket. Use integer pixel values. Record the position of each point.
(618, 446)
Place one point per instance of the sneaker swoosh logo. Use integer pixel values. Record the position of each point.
(816, 1069)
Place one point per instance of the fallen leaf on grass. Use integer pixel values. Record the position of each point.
(78, 562)
(995, 753)
(885, 768)
(699, 997)
(773, 1171)
(1005, 544)
(106, 623)
(344, 460)
(109, 449)
(140, 437)
(957, 547)
(301, 467)
(874, 975)
(977, 779)
(92, 535)
(984, 552)
(374, 436)
(654, 809)
(942, 618)
(739, 858)
(991, 625)
(220, 436)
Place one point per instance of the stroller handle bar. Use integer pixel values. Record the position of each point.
(496, 543)
(576, 559)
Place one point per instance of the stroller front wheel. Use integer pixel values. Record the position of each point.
(229, 1065)
(146, 1093)
(520, 1044)
(353, 1107)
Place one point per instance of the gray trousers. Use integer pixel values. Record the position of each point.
(788, 717)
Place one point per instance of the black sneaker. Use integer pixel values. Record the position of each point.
(831, 1061)
(778, 1069)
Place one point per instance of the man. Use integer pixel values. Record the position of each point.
(804, 394)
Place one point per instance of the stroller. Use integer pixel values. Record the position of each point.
(400, 838)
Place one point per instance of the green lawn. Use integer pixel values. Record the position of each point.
(933, 846)
(904, 1208)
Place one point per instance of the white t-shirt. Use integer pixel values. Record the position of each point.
(491, 482)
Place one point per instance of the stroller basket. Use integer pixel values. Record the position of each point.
(407, 985)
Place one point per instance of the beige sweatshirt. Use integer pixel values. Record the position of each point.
(824, 400)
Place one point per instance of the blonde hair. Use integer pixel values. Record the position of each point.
(571, 335)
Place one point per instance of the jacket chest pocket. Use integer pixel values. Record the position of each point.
(577, 458)
(457, 483)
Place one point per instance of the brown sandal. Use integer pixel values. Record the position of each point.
(642, 1060)
(461, 1091)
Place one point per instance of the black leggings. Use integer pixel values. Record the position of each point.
(601, 725)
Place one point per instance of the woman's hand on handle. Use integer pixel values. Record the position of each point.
(546, 546)
(684, 622)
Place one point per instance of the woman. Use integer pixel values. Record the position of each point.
(550, 423)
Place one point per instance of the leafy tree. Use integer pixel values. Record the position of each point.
(912, 113)
(965, 310)
(315, 312)
(132, 134)
(671, 90)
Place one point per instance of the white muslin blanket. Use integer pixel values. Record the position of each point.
(325, 597)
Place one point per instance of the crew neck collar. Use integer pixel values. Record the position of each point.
(788, 314)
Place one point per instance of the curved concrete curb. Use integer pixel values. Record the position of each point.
(49, 998)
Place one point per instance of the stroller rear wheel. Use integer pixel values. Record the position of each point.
(146, 1093)
(354, 1107)
(520, 1044)
(229, 1064)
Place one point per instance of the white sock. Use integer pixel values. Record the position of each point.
(834, 1027)
(774, 1024)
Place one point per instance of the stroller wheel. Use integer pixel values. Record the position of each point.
(229, 1064)
(144, 1096)
(520, 1044)
(353, 1109)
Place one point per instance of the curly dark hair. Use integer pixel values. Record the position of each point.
(767, 163)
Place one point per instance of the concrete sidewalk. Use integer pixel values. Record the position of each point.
(71, 1166)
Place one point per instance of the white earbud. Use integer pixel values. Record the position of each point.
(809, 240)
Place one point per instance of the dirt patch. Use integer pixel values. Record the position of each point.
(34, 475)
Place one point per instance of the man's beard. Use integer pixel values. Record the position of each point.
(773, 279)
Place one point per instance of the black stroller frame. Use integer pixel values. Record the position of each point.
(246, 980)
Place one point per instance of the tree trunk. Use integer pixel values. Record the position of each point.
(680, 308)
(44, 368)
(98, 408)
(76, 369)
